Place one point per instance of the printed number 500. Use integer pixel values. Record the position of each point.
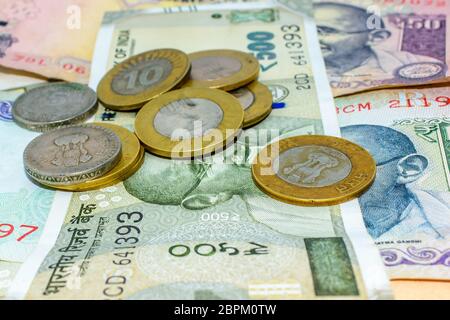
(7, 229)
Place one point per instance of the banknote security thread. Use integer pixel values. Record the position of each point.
(222, 69)
(189, 122)
(54, 105)
(132, 153)
(256, 100)
(71, 155)
(140, 78)
(314, 170)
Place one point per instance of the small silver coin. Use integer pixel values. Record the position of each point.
(71, 155)
(54, 105)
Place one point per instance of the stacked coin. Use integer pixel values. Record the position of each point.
(216, 94)
(83, 157)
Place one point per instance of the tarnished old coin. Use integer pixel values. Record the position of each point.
(141, 78)
(222, 69)
(256, 100)
(132, 152)
(314, 170)
(189, 122)
(54, 105)
(102, 183)
(71, 155)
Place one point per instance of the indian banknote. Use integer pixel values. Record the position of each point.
(407, 210)
(24, 207)
(201, 229)
(369, 44)
(56, 39)
(16, 79)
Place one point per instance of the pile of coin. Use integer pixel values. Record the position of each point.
(83, 157)
(190, 104)
(69, 155)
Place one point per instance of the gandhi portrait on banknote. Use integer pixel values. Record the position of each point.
(352, 44)
(393, 207)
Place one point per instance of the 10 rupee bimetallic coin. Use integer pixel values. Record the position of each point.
(137, 80)
(256, 100)
(54, 105)
(222, 69)
(132, 154)
(314, 170)
(71, 155)
(189, 122)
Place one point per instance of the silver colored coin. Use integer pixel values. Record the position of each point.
(71, 155)
(54, 105)
(141, 76)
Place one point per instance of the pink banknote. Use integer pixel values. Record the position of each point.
(56, 38)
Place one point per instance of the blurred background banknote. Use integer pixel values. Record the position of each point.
(369, 44)
(64, 30)
(201, 229)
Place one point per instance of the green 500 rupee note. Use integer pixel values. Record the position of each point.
(407, 210)
(202, 229)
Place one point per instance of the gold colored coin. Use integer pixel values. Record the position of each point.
(314, 170)
(131, 154)
(222, 69)
(137, 80)
(189, 122)
(256, 100)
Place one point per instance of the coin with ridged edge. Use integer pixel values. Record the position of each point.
(189, 122)
(132, 152)
(140, 78)
(256, 100)
(135, 166)
(53, 105)
(222, 69)
(314, 170)
(71, 155)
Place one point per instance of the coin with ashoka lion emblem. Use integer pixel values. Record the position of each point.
(72, 155)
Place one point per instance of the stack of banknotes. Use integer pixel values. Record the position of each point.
(374, 72)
